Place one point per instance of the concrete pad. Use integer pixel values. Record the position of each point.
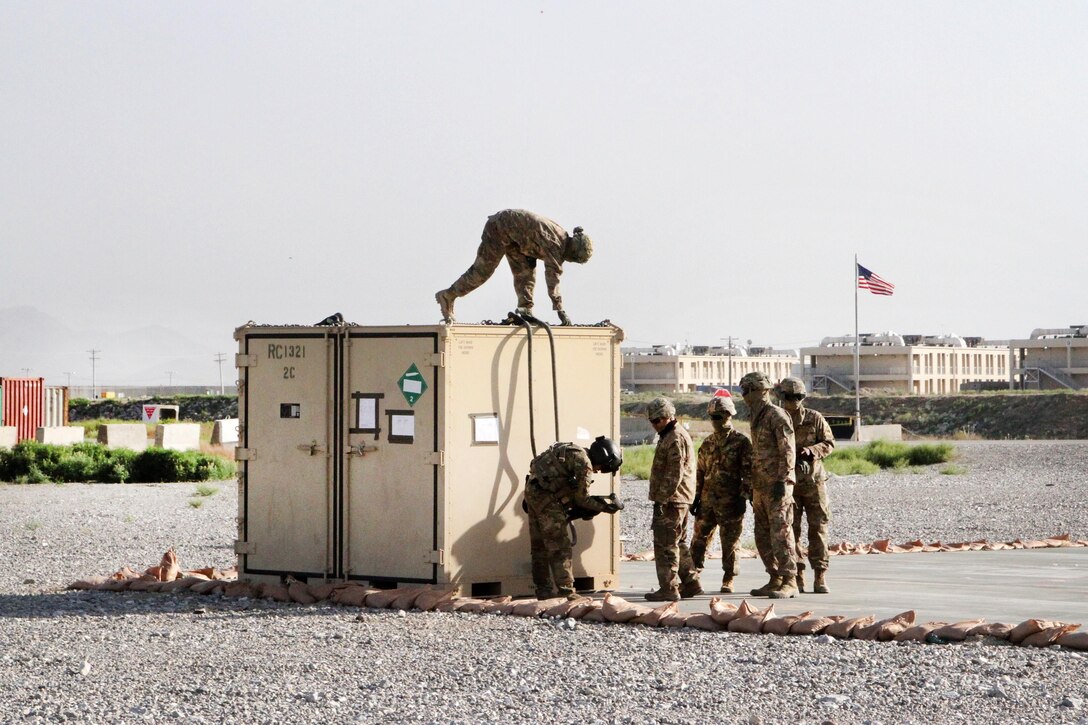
(123, 435)
(886, 432)
(1001, 586)
(178, 436)
(9, 436)
(225, 432)
(64, 435)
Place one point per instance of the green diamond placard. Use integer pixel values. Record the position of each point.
(412, 385)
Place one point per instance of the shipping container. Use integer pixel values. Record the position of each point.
(399, 454)
(56, 406)
(23, 405)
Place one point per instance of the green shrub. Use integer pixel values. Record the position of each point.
(32, 462)
(637, 461)
(849, 465)
(953, 469)
(878, 455)
(926, 454)
(157, 465)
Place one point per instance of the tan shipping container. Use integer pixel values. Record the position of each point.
(399, 454)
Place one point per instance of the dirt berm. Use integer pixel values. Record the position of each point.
(996, 416)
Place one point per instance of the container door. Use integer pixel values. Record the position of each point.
(391, 473)
(287, 462)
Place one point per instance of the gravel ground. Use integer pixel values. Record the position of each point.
(1015, 489)
(103, 657)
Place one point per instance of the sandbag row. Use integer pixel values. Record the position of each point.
(885, 546)
(723, 616)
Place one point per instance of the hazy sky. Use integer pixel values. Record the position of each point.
(200, 164)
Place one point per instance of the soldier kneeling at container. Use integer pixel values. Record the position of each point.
(721, 489)
(558, 492)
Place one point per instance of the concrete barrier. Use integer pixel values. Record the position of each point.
(9, 436)
(225, 432)
(60, 435)
(123, 435)
(888, 432)
(178, 436)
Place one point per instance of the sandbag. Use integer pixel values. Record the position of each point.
(407, 599)
(782, 625)
(619, 610)
(918, 632)
(676, 619)
(238, 590)
(844, 628)
(956, 632)
(992, 629)
(750, 623)
(885, 629)
(324, 590)
(353, 595)
(168, 569)
(1074, 640)
(704, 622)
(582, 608)
(654, 616)
(471, 605)
(562, 609)
(535, 608)
(724, 612)
(115, 585)
(209, 571)
(179, 585)
(813, 625)
(594, 615)
(90, 582)
(498, 605)
(212, 586)
(143, 584)
(382, 598)
(1048, 636)
(299, 592)
(125, 574)
(431, 598)
(1027, 628)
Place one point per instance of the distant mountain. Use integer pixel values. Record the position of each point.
(151, 355)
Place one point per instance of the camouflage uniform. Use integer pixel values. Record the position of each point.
(522, 237)
(773, 459)
(558, 479)
(725, 460)
(672, 489)
(813, 434)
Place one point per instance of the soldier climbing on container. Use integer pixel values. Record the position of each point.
(557, 490)
(522, 237)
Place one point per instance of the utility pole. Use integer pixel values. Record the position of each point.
(26, 372)
(219, 358)
(729, 352)
(94, 360)
(170, 374)
(69, 384)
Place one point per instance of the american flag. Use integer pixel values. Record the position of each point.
(873, 282)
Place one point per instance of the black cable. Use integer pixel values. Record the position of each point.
(555, 379)
(528, 329)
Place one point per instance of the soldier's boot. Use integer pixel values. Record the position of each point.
(820, 585)
(690, 589)
(543, 594)
(727, 585)
(445, 300)
(787, 590)
(663, 595)
(774, 583)
(574, 596)
(800, 581)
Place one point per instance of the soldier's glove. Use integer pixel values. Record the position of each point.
(609, 504)
(778, 491)
(806, 454)
(804, 467)
(563, 318)
(696, 505)
(746, 491)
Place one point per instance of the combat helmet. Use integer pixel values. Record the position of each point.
(606, 455)
(794, 386)
(755, 381)
(721, 405)
(579, 247)
(661, 408)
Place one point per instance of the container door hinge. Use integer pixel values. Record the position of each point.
(244, 547)
(435, 458)
(242, 360)
(245, 454)
(437, 556)
(435, 359)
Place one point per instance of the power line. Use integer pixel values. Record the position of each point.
(219, 358)
(94, 361)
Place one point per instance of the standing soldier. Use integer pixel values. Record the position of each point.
(814, 442)
(522, 237)
(559, 481)
(773, 458)
(725, 460)
(672, 489)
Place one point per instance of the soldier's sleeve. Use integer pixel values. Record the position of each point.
(552, 270)
(674, 466)
(786, 448)
(825, 439)
(583, 477)
(700, 468)
(746, 460)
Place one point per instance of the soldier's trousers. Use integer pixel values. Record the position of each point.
(730, 520)
(810, 499)
(774, 531)
(671, 554)
(549, 544)
(492, 249)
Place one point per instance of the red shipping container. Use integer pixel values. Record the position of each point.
(24, 405)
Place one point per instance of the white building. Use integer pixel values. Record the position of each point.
(685, 368)
(1053, 358)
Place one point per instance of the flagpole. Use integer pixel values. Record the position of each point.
(857, 359)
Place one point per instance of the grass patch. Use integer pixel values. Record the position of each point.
(32, 462)
(878, 455)
(196, 502)
(205, 490)
(637, 461)
(953, 469)
(847, 466)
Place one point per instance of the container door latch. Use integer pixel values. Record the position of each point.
(313, 448)
(360, 450)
